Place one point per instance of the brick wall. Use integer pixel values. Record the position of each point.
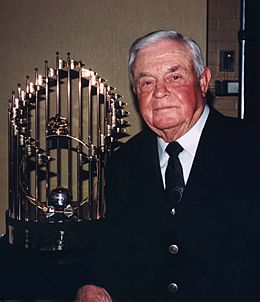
(223, 27)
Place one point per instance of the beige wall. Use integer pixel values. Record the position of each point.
(97, 32)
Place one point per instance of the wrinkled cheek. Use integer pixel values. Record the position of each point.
(146, 113)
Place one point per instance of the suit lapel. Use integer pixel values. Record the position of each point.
(150, 162)
(150, 185)
(206, 163)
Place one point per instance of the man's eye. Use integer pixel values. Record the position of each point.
(146, 84)
(175, 77)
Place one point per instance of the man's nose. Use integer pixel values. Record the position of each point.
(161, 90)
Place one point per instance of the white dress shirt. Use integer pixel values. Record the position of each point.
(189, 142)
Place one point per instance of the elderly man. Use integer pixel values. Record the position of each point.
(182, 194)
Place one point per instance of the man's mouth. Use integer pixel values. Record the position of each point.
(165, 108)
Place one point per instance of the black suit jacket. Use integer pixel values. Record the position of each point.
(215, 226)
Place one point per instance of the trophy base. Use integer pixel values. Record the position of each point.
(69, 236)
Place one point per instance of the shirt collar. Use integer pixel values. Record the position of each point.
(190, 140)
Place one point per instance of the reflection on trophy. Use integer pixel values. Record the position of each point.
(62, 128)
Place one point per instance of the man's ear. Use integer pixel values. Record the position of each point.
(204, 80)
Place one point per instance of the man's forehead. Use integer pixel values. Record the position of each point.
(144, 65)
(166, 69)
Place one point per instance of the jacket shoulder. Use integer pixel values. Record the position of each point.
(135, 145)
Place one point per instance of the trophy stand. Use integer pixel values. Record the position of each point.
(62, 129)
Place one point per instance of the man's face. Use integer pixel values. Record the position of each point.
(171, 97)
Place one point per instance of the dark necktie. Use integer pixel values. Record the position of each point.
(174, 182)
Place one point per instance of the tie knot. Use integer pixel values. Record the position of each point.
(174, 149)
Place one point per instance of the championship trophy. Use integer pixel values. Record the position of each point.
(63, 126)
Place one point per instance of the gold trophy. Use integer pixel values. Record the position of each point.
(62, 128)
